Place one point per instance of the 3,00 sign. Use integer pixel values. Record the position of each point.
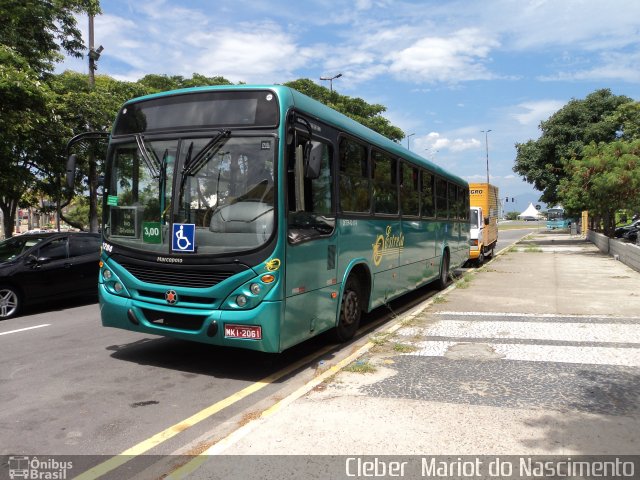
(151, 232)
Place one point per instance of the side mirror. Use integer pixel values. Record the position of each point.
(30, 261)
(71, 170)
(312, 159)
(486, 220)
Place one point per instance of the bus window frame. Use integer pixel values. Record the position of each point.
(395, 160)
(349, 213)
(402, 164)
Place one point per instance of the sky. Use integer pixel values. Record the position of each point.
(446, 71)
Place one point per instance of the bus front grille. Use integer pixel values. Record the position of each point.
(174, 320)
(144, 294)
(177, 278)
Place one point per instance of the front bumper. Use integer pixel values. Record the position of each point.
(200, 325)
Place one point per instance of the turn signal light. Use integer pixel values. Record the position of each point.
(268, 278)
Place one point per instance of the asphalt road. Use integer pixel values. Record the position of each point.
(68, 386)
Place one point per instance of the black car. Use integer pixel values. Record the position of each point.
(42, 267)
(624, 229)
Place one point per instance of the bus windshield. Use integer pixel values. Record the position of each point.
(222, 184)
(555, 214)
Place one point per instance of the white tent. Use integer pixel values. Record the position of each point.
(530, 212)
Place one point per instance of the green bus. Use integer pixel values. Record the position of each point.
(257, 217)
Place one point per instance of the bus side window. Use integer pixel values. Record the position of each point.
(354, 177)
(385, 183)
(310, 200)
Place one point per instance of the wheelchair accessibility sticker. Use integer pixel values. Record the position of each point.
(183, 238)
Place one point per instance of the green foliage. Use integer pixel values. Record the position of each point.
(541, 162)
(155, 83)
(512, 215)
(605, 179)
(627, 117)
(38, 30)
(356, 108)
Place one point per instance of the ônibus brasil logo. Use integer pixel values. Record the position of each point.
(21, 466)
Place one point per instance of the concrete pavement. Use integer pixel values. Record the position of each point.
(537, 352)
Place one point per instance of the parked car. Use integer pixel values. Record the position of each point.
(632, 234)
(621, 231)
(41, 267)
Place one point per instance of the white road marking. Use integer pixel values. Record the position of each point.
(543, 353)
(525, 315)
(580, 341)
(25, 329)
(536, 331)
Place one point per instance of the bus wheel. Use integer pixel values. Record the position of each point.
(444, 272)
(480, 259)
(350, 311)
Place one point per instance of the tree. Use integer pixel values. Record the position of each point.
(627, 117)
(155, 83)
(32, 35)
(23, 112)
(606, 178)
(39, 29)
(356, 108)
(81, 108)
(541, 162)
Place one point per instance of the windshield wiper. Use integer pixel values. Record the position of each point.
(152, 163)
(194, 165)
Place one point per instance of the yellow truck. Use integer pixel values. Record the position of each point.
(483, 201)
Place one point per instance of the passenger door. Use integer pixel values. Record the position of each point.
(311, 258)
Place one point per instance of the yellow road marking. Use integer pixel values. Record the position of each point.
(157, 439)
(146, 445)
(237, 435)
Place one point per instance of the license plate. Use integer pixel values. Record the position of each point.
(252, 332)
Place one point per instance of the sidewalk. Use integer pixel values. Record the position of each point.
(538, 352)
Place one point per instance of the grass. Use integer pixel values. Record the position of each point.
(439, 299)
(404, 348)
(361, 366)
(519, 227)
(533, 248)
(379, 339)
(464, 282)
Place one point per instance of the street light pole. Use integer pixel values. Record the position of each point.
(94, 55)
(486, 142)
(331, 79)
(408, 137)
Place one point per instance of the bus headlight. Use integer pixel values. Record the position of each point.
(106, 274)
(250, 294)
(118, 287)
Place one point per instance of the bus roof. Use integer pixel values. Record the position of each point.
(292, 98)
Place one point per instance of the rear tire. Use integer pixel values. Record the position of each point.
(10, 302)
(350, 311)
(443, 280)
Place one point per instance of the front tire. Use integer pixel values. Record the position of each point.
(350, 311)
(10, 302)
